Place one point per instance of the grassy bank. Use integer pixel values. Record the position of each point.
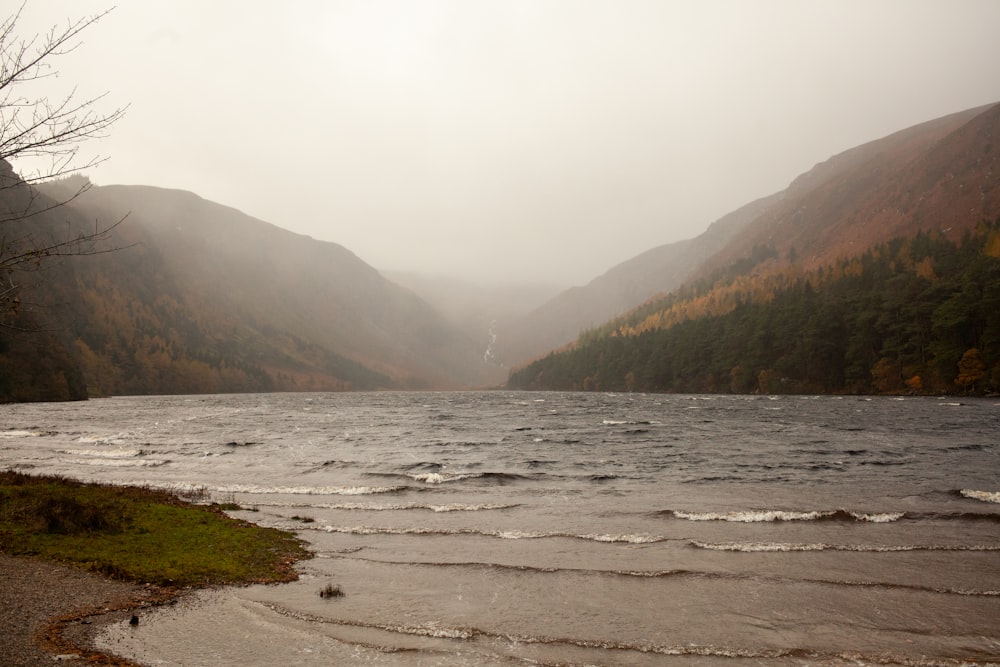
(139, 534)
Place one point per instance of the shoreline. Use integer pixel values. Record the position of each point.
(65, 579)
(52, 611)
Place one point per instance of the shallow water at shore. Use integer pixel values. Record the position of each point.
(511, 528)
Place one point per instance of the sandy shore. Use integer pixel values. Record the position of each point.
(50, 612)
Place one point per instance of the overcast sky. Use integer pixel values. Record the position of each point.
(508, 140)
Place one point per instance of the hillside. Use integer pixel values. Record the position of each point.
(206, 299)
(939, 175)
(916, 315)
(659, 270)
(893, 214)
(911, 180)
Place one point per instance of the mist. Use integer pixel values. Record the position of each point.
(510, 142)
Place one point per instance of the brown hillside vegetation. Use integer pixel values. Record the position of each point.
(941, 175)
(878, 267)
(205, 299)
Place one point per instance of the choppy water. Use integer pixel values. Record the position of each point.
(518, 528)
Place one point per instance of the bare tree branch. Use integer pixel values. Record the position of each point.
(34, 125)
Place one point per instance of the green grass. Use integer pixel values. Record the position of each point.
(139, 534)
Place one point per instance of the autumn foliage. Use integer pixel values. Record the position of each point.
(915, 315)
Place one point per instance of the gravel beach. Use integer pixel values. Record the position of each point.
(37, 597)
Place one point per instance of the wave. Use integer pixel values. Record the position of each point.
(307, 490)
(112, 462)
(19, 434)
(985, 496)
(757, 516)
(619, 422)
(116, 439)
(193, 487)
(448, 477)
(441, 477)
(466, 633)
(105, 453)
(623, 538)
(390, 507)
(770, 547)
(678, 573)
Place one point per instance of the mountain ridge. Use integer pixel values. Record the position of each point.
(206, 298)
(899, 210)
(803, 221)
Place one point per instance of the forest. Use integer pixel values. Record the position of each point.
(118, 325)
(917, 315)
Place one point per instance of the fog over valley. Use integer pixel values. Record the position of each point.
(509, 142)
(500, 331)
(546, 195)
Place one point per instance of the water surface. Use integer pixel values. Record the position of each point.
(505, 528)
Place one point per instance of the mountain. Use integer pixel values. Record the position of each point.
(202, 297)
(625, 286)
(941, 175)
(910, 180)
(846, 281)
(478, 310)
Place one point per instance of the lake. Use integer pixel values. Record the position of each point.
(508, 528)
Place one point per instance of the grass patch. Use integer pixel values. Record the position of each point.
(140, 534)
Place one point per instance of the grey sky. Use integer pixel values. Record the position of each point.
(511, 140)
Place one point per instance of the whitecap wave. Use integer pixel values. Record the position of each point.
(115, 439)
(985, 496)
(390, 507)
(19, 434)
(306, 490)
(771, 547)
(759, 516)
(752, 516)
(104, 453)
(199, 488)
(499, 534)
(441, 477)
(119, 462)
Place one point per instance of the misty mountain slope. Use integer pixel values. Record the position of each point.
(625, 286)
(877, 271)
(35, 362)
(310, 302)
(942, 174)
(476, 309)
